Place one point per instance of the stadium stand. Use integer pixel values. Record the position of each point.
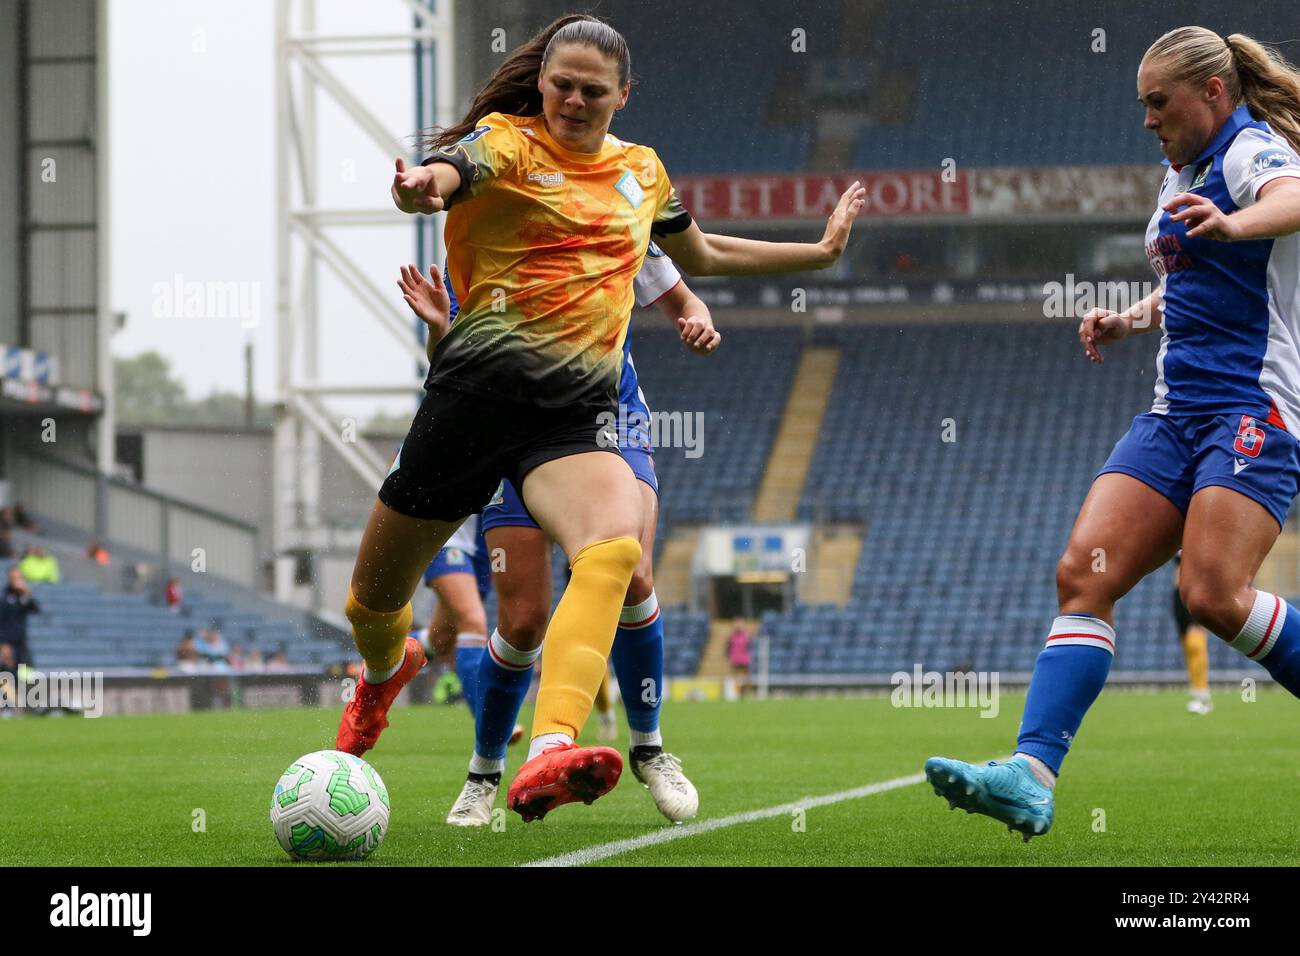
(97, 617)
(994, 82)
(964, 574)
(81, 627)
(741, 396)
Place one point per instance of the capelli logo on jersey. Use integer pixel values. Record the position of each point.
(547, 179)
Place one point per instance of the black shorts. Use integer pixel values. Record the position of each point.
(461, 445)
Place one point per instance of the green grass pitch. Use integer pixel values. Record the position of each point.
(1170, 788)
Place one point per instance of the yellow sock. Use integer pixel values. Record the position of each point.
(1198, 658)
(380, 635)
(603, 703)
(576, 652)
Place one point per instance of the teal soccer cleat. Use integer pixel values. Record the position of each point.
(1008, 792)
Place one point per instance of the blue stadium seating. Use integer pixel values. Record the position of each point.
(741, 392)
(962, 537)
(80, 626)
(997, 82)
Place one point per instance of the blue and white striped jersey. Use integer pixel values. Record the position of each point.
(1231, 342)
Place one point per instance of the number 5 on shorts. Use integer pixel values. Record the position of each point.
(1250, 438)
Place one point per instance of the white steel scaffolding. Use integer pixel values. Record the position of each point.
(309, 241)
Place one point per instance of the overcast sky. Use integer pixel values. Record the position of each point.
(192, 92)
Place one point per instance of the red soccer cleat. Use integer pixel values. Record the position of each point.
(366, 714)
(565, 773)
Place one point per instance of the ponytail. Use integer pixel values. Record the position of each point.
(1270, 86)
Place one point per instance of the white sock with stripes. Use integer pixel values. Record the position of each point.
(639, 615)
(511, 657)
(470, 639)
(1262, 627)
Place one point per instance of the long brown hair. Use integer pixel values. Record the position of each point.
(512, 89)
(1252, 73)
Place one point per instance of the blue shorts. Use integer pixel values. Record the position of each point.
(506, 509)
(1180, 455)
(457, 557)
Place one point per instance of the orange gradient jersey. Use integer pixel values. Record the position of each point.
(542, 246)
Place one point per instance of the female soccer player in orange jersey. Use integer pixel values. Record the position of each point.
(549, 220)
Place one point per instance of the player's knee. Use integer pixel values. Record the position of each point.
(1210, 602)
(641, 586)
(523, 625)
(1074, 577)
(354, 610)
(371, 597)
(620, 553)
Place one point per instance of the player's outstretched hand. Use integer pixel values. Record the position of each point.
(1202, 216)
(699, 335)
(416, 190)
(840, 223)
(1101, 327)
(428, 300)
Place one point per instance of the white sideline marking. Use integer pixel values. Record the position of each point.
(603, 851)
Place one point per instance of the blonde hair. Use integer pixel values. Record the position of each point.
(1252, 74)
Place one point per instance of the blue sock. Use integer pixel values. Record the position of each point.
(469, 651)
(1070, 673)
(1271, 637)
(504, 675)
(638, 657)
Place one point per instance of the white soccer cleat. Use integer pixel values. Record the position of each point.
(1199, 705)
(607, 727)
(473, 808)
(674, 795)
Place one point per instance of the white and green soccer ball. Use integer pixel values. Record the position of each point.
(330, 805)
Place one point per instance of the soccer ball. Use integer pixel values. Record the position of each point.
(330, 805)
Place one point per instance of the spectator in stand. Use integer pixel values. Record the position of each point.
(97, 552)
(212, 647)
(15, 606)
(738, 649)
(135, 575)
(173, 594)
(279, 662)
(39, 566)
(253, 663)
(187, 655)
(24, 521)
(236, 657)
(13, 517)
(6, 543)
